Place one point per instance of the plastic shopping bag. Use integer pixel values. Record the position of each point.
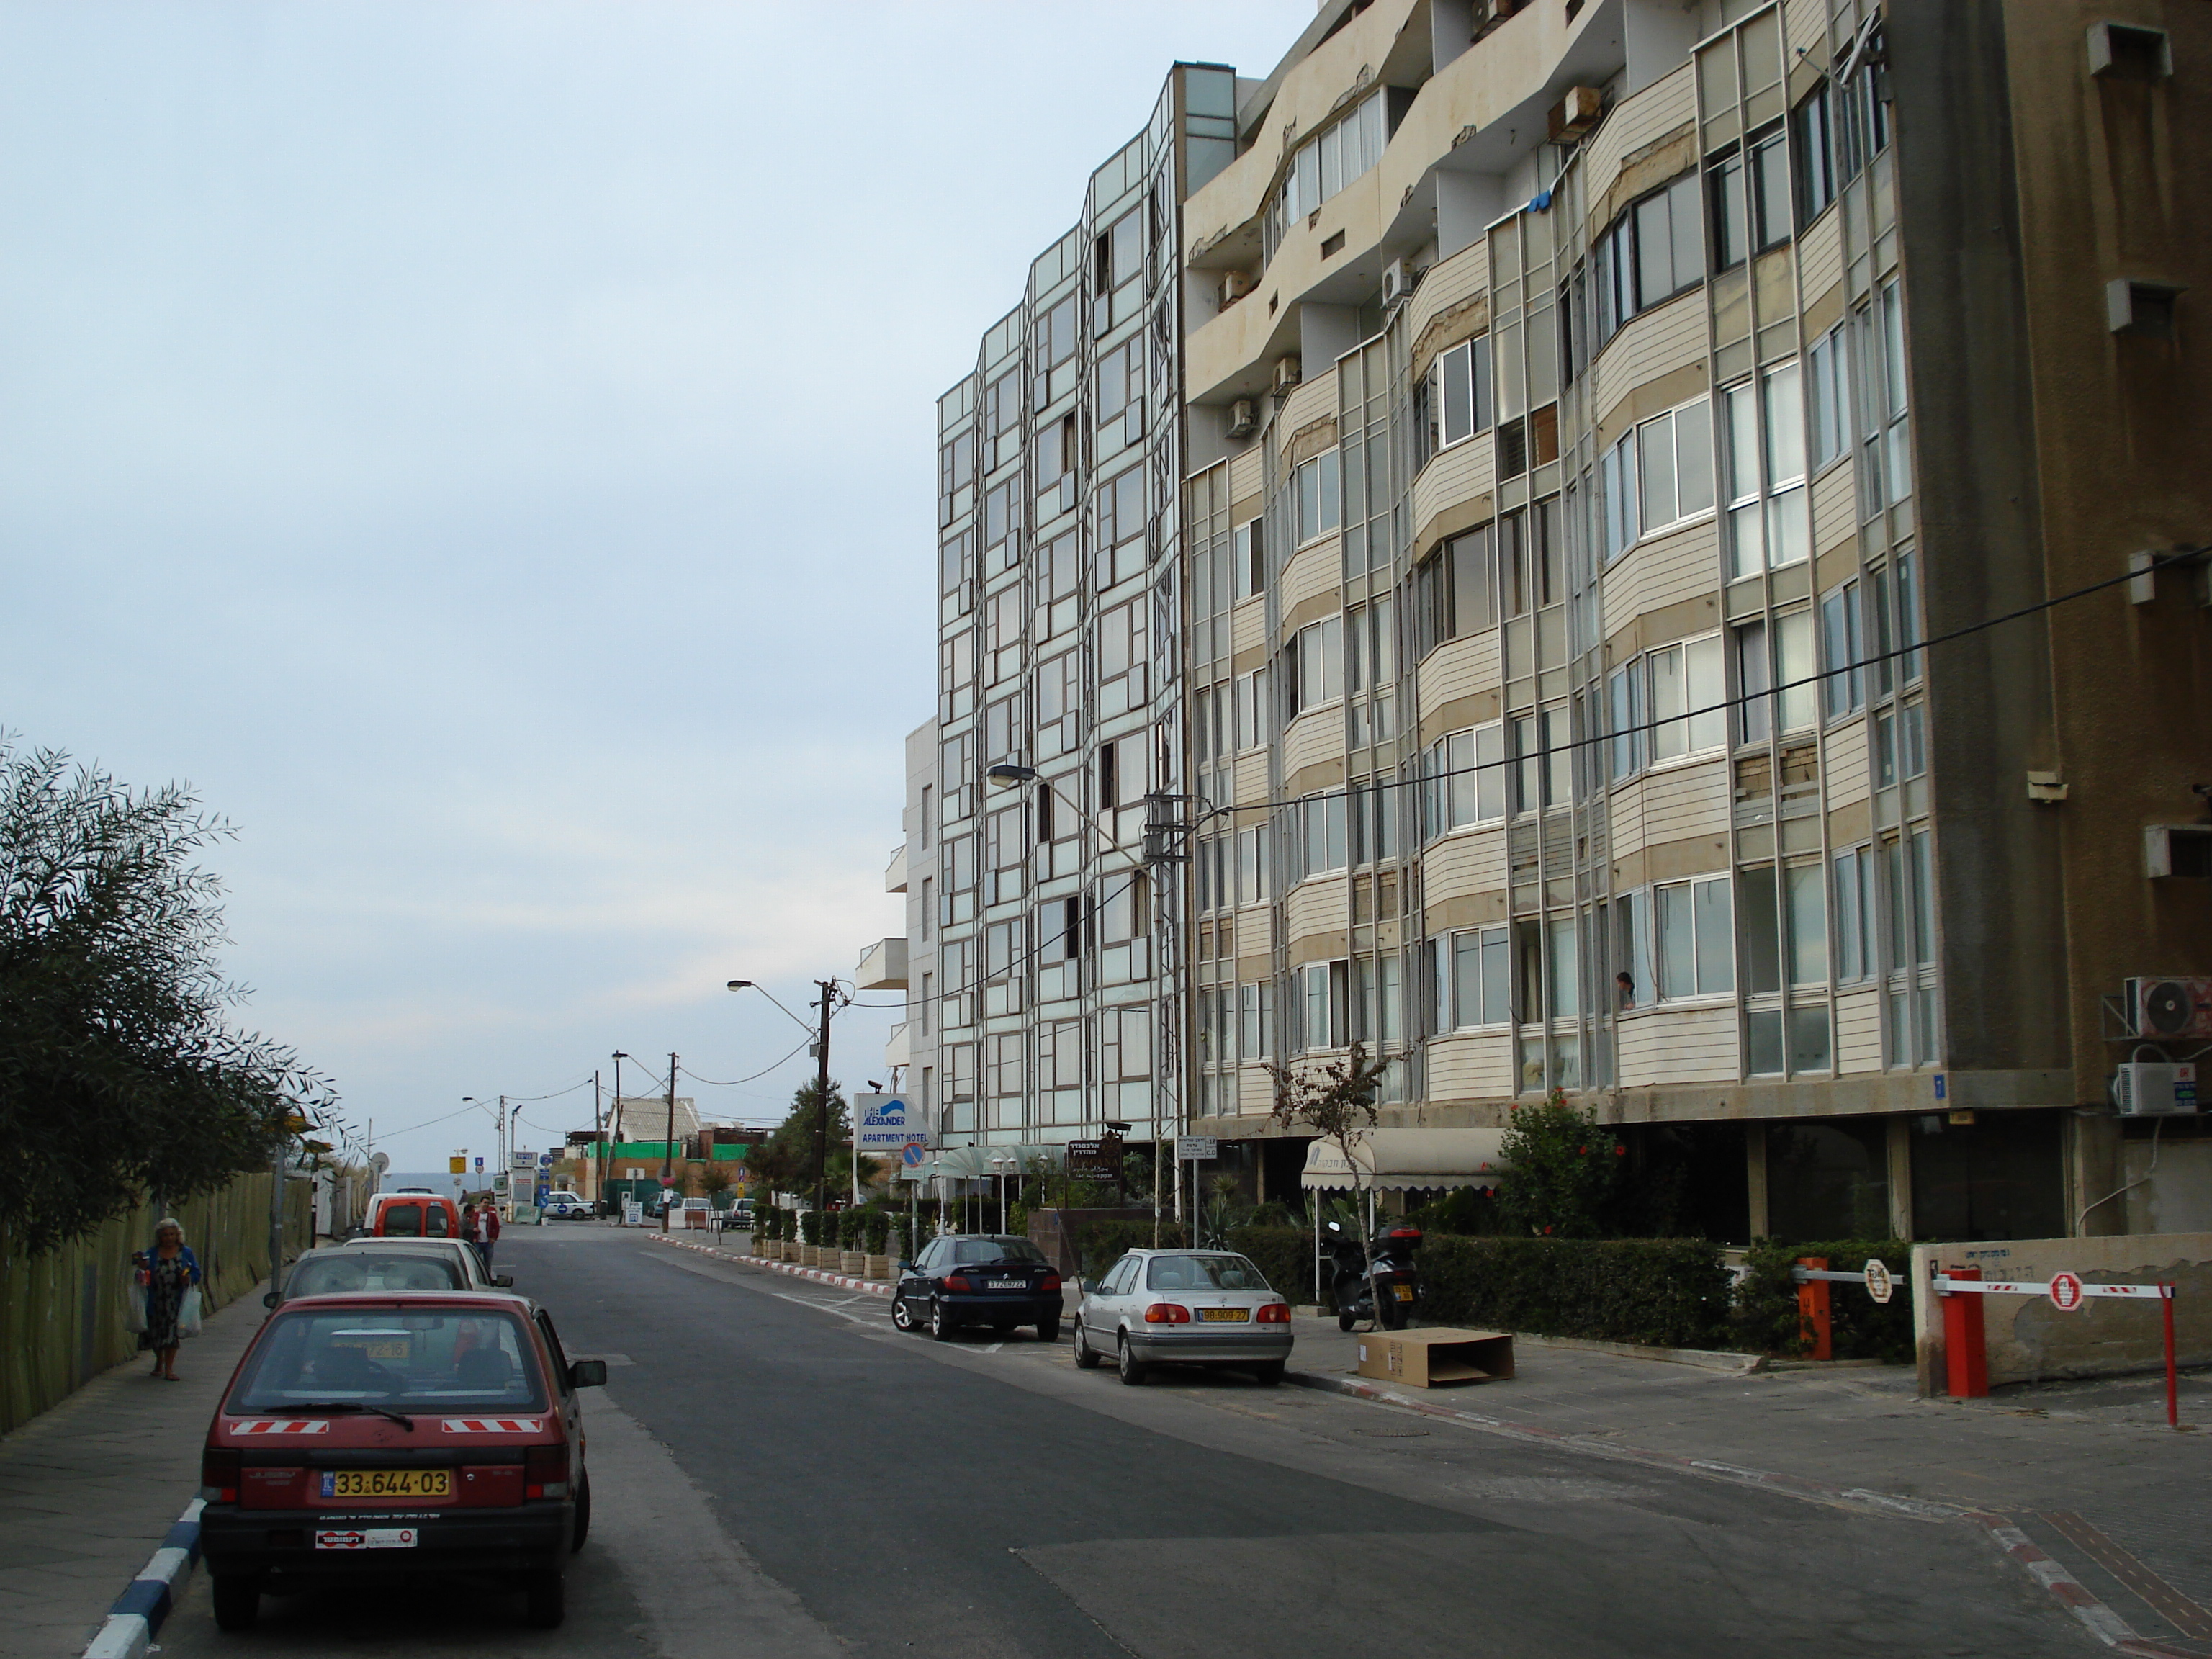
(134, 1301)
(188, 1312)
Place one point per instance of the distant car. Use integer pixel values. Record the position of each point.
(402, 1267)
(365, 1440)
(452, 1249)
(408, 1215)
(993, 1281)
(1183, 1307)
(562, 1206)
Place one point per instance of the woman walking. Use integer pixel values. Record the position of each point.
(166, 1271)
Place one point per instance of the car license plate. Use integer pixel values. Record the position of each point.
(1006, 1284)
(1226, 1315)
(367, 1538)
(1403, 1292)
(387, 1483)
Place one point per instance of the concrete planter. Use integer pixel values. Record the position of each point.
(810, 1255)
(875, 1266)
(853, 1262)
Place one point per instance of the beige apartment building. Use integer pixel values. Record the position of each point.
(1614, 439)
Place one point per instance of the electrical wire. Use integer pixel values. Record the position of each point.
(716, 1083)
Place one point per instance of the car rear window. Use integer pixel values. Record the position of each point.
(436, 1218)
(366, 1270)
(974, 1251)
(1203, 1273)
(401, 1221)
(455, 1360)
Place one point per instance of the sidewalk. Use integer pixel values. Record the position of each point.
(89, 1489)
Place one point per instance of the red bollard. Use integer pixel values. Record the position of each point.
(1813, 1322)
(1966, 1360)
(2172, 1387)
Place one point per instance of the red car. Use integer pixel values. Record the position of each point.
(370, 1436)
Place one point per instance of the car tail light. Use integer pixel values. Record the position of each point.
(958, 1284)
(545, 1471)
(1051, 1282)
(1166, 1313)
(219, 1475)
(1274, 1313)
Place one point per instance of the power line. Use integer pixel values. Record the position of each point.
(716, 1083)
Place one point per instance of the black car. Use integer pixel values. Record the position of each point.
(992, 1281)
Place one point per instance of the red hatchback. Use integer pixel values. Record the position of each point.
(376, 1436)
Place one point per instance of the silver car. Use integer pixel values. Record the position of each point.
(463, 1255)
(1177, 1307)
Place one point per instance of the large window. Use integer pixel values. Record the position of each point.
(1122, 526)
(1659, 475)
(1692, 946)
(1315, 497)
(1328, 161)
(1857, 946)
(1843, 648)
(1776, 673)
(1667, 703)
(1816, 154)
(1473, 978)
(1316, 665)
(1828, 397)
(1647, 255)
(1319, 994)
(1323, 834)
(1463, 781)
(1769, 522)
(1454, 592)
(1456, 397)
(1122, 658)
(1750, 195)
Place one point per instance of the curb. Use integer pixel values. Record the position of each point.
(2100, 1620)
(820, 1276)
(138, 1612)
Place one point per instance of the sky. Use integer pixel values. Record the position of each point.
(488, 451)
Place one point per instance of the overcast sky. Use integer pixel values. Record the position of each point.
(487, 450)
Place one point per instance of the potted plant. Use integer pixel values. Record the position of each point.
(850, 1258)
(876, 1261)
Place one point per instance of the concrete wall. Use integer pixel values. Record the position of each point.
(2028, 1337)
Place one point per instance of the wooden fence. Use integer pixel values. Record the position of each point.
(61, 1313)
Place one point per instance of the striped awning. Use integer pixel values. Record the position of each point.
(1400, 1160)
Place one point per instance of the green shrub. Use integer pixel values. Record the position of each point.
(876, 1229)
(1562, 1172)
(1660, 1293)
(1283, 1255)
(1766, 1318)
(1101, 1245)
(852, 1226)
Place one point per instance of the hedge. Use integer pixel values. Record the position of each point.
(1284, 1256)
(1100, 1244)
(1862, 1329)
(1660, 1293)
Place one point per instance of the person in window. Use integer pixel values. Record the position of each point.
(165, 1273)
(1624, 989)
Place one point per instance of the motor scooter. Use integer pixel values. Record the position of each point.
(1395, 1279)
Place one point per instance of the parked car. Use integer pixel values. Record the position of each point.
(993, 1281)
(1183, 1307)
(412, 1215)
(400, 1267)
(448, 1250)
(370, 1439)
(564, 1206)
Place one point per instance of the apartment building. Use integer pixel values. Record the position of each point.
(1582, 449)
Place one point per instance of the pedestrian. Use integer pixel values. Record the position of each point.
(484, 1231)
(167, 1274)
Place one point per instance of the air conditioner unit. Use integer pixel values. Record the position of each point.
(2151, 1090)
(1577, 113)
(2173, 1006)
(1234, 286)
(1241, 418)
(2178, 850)
(1398, 280)
(1288, 373)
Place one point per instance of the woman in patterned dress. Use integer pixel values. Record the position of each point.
(167, 1272)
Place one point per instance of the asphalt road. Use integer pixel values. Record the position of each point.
(777, 1472)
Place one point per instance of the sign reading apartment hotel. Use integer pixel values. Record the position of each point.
(886, 1123)
(1095, 1160)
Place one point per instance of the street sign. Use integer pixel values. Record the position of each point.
(479, 1167)
(1879, 1284)
(888, 1124)
(2065, 1292)
(544, 1160)
(914, 1155)
(523, 1161)
(1196, 1149)
(457, 1166)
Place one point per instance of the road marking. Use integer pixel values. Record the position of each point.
(994, 1348)
(821, 1306)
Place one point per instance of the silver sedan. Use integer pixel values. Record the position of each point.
(1197, 1307)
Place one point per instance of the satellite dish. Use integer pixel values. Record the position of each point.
(379, 1162)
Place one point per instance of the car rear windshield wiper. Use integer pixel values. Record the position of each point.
(403, 1420)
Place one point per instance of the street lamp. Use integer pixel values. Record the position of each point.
(1000, 1161)
(827, 1005)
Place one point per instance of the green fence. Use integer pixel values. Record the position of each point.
(61, 1313)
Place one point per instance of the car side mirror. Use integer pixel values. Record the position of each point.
(906, 1267)
(1090, 1286)
(502, 1281)
(588, 1373)
(270, 1300)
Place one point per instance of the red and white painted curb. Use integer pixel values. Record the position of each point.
(2101, 1621)
(819, 1275)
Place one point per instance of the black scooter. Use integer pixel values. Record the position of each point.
(1395, 1279)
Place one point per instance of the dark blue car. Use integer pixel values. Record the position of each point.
(992, 1281)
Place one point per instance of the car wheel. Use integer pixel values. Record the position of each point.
(940, 1322)
(545, 1599)
(1049, 1329)
(237, 1601)
(1268, 1374)
(1133, 1369)
(901, 1315)
(583, 1515)
(1087, 1357)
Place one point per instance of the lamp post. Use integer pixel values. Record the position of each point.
(998, 1161)
(827, 1004)
(614, 1134)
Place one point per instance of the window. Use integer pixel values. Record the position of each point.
(1463, 781)
(1770, 217)
(1458, 395)
(1807, 918)
(1688, 698)
(1122, 912)
(1247, 552)
(1647, 255)
(1758, 932)
(1056, 456)
(1314, 495)
(1562, 945)
(1473, 978)
(1667, 478)
(1864, 130)
(1625, 713)
(1454, 592)
(1731, 235)
(1253, 886)
(1122, 652)
(1692, 939)
(1777, 679)
(1617, 497)
(1765, 442)
(1844, 691)
(1829, 398)
(1854, 912)
(1316, 665)
(1323, 834)
(1816, 160)
(1122, 526)
(1327, 162)
(1251, 704)
(1879, 357)
(1056, 332)
(1371, 662)
(1058, 705)
(1120, 251)
(1120, 378)
(1256, 1019)
(1319, 992)
(955, 472)
(1374, 822)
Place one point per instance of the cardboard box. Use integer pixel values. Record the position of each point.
(1424, 1358)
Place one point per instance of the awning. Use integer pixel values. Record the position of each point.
(1409, 1159)
(973, 1162)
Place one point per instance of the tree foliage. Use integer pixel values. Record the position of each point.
(120, 1073)
(790, 1160)
(1564, 1172)
(1335, 1100)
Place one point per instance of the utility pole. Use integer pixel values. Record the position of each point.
(277, 1220)
(822, 1097)
(506, 1160)
(668, 1148)
(598, 1164)
(614, 1135)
